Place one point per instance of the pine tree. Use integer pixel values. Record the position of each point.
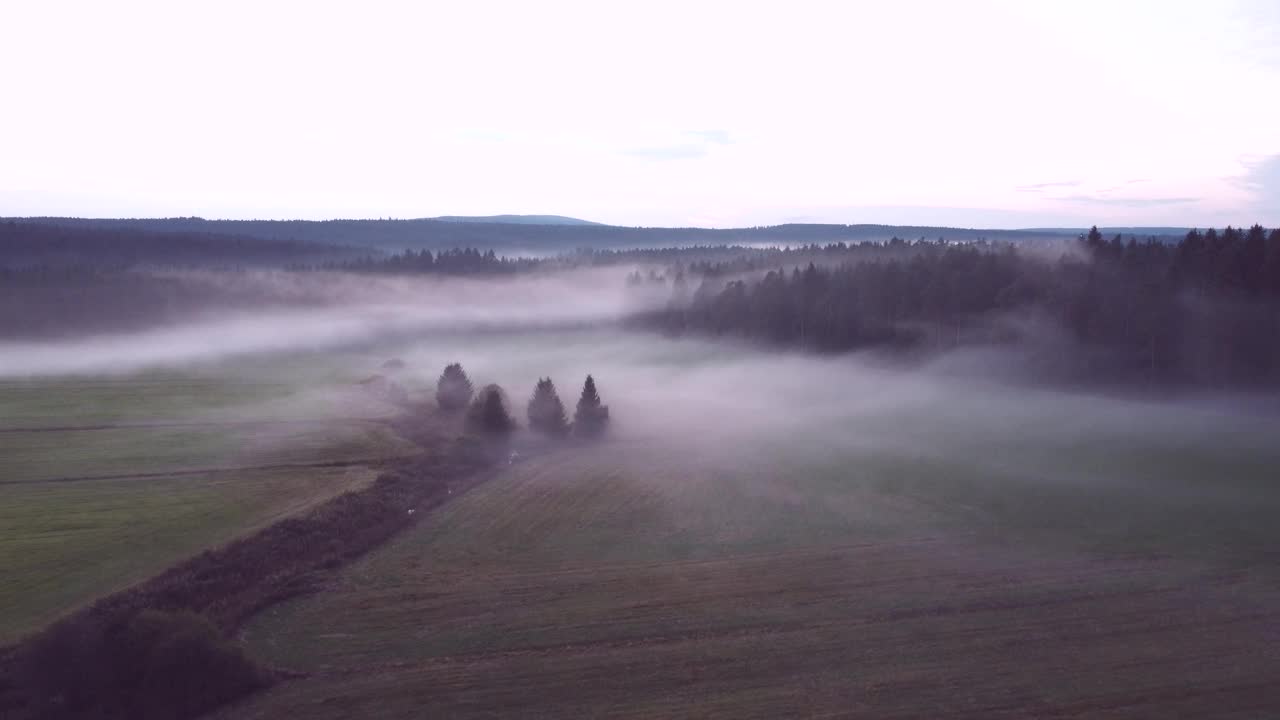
(591, 417)
(453, 390)
(488, 413)
(546, 412)
(1094, 241)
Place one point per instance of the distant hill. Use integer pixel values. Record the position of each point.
(517, 219)
(515, 238)
(1142, 232)
(30, 243)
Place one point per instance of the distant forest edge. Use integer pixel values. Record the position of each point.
(25, 243)
(1200, 310)
(513, 236)
(1204, 311)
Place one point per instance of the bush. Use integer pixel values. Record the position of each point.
(161, 665)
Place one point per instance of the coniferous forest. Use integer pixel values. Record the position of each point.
(1203, 311)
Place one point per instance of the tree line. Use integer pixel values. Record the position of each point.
(1203, 310)
(488, 413)
(545, 239)
(25, 244)
(454, 261)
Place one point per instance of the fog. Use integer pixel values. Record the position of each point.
(312, 311)
(762, 417)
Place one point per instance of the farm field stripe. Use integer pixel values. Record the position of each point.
(197, 471)
(189, 424)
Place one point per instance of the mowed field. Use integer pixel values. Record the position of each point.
(106, 481)
(634, 580)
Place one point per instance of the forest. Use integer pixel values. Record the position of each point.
(1200, 310)
(1203, 311)
(542, 239)
(26, 244)
(767, 408)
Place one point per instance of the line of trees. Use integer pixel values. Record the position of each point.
(455, 261)
(547, 239)
(488, 412)
(1205, 310)
(25, 244)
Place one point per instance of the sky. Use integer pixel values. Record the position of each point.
(977, 113)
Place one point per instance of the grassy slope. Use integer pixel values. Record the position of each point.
(65, 543)
(568, 587)
(62, 544)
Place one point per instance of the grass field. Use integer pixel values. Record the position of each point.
(622, 581)
(106, 481)
(763, 536)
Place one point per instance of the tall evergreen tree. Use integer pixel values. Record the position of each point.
(1094, 240)
(546, 412)
(488, 413)
(453, 390)
(591, 417)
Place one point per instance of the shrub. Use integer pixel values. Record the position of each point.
(153, 664)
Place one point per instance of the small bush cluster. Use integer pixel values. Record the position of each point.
(148, 665)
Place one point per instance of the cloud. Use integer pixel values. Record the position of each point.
(669, 152)
(715, 137)
(1130, 202)
(1037, 187)
(1262, 181)
(691, 144)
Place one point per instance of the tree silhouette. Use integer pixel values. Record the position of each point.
(453, 390)
(591, 417)
(546, 412)
(488, 413)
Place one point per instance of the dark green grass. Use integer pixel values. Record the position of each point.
(171, 463)
(62, 544)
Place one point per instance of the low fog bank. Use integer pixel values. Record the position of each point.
(813, 434)
(802, 430)
(720, 393)
(317, 311)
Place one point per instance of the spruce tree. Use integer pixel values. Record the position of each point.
(591, 417)
(488, 413)
(546, 412)
(453, 390)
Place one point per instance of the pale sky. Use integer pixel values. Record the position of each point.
(988, 114)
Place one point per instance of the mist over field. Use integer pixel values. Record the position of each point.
(800, 444)
(794, 438)
(682, 360)
(315, 311)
